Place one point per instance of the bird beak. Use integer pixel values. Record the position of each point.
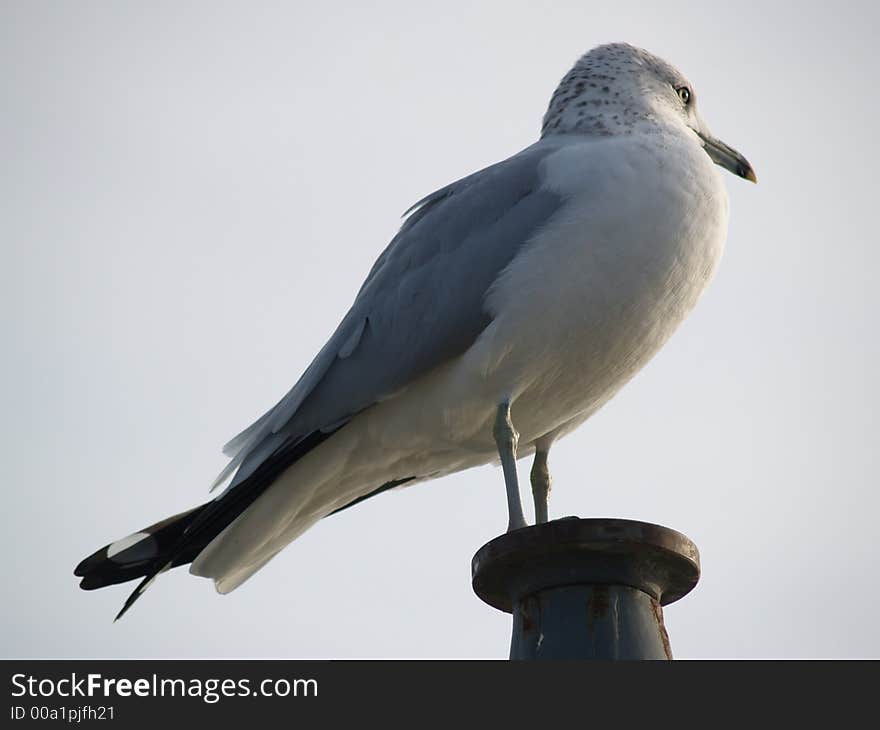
(727, 157)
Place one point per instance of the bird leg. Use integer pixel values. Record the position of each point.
(541, 481)
(506, 439)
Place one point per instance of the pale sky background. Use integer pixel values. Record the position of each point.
(190, 197)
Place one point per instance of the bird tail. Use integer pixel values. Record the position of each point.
(178, 540)
(143, 553)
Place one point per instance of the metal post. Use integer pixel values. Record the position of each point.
(587, 588)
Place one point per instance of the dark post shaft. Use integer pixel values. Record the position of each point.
(587, 589)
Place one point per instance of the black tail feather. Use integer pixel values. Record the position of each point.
(101, 569)
(178, 540)
(142, 586)
(384, 488)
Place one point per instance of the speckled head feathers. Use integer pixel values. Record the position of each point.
(611, 89)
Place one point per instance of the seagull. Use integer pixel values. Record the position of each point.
(510, 306)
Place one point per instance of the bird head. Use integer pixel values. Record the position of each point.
(619, 89)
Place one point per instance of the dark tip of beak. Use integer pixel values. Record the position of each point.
(727, 157)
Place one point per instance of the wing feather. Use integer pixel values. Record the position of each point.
(421, 304)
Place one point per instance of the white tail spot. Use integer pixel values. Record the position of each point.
(125, 543)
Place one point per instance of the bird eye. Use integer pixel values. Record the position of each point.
(684, 93)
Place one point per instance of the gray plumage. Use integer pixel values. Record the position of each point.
(423, 300)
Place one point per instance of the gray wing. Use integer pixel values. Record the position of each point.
(421, 304)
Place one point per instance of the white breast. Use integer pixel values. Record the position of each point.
(602, 287)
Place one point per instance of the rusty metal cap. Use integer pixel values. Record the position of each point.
(572, 551)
